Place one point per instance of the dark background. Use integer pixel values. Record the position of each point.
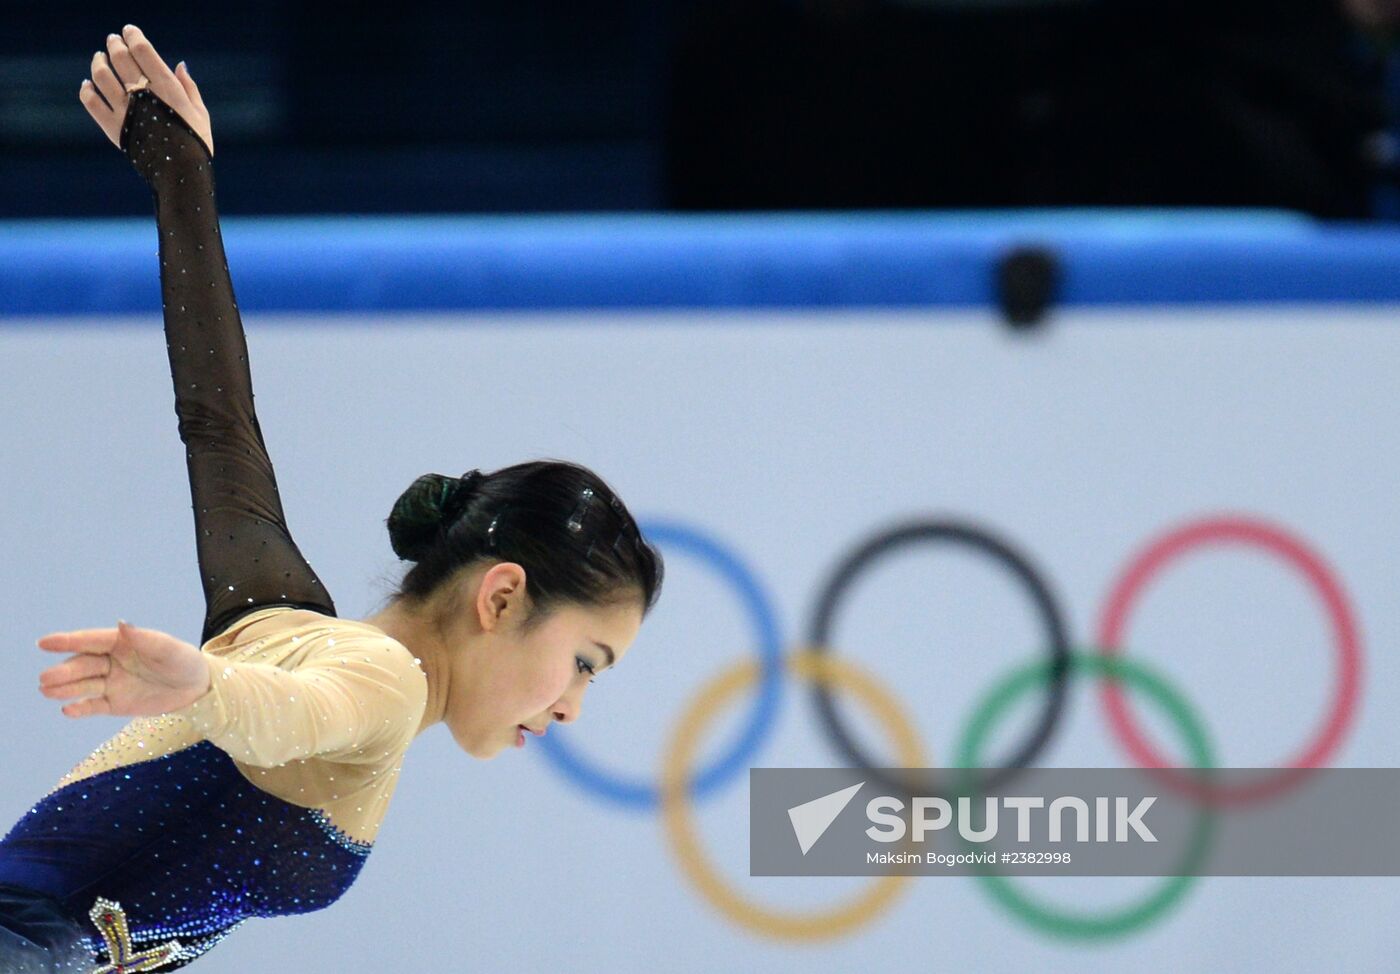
(528, 106)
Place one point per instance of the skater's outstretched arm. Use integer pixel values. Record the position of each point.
(247, 558)
(348, 700)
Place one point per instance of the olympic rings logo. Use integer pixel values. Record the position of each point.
(679, 783)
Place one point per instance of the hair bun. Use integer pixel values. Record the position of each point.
(460, 495)
(432, 501)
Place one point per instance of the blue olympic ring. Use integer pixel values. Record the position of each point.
(644, 794)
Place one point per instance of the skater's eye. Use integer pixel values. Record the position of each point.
(585, 667)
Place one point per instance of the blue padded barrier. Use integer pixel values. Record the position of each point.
(361, 263)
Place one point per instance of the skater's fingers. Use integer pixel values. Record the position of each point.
(182, 74)
(106, 119)
(88, 707)
(77, 668)
(90, 687)
(163, 81)
(127, 70)
(80, 641)
(105, 80)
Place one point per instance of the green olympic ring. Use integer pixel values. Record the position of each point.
(1053, 919)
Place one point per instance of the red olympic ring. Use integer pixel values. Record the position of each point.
(1347, 644)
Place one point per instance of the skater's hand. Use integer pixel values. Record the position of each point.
(129, 63)
(126, 672)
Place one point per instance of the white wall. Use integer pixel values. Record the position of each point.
(790, 437)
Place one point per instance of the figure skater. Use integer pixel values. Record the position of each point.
(259, 765)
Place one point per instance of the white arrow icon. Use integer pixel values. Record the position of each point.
(810, 820)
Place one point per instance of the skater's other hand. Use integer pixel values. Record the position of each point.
(125, 672)
(128, 63)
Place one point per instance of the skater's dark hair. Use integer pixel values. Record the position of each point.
(559, 521)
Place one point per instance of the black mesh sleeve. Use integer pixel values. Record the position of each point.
(247, 559)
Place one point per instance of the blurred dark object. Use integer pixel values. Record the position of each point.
(1027, 283)
(480, 106)
(533, 105)
(858, 103)
(1377, 50)
(1374, 14)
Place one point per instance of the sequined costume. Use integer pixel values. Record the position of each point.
(263, 797)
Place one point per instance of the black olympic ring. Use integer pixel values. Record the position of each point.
(980, 539)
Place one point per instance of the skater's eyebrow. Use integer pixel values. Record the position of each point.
(607, 649)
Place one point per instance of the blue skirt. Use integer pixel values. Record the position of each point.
(36, 937)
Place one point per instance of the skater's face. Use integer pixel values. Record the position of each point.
(505, 675)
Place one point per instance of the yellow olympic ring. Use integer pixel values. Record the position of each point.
(678, 759)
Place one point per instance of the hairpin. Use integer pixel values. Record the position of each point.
(576, 519)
